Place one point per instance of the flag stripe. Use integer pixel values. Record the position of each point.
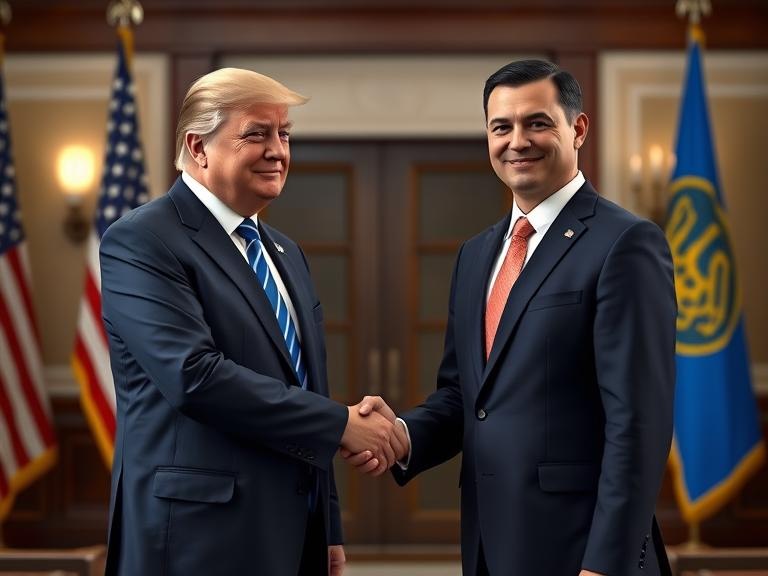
(20, 419)
(13, 287)
(95, 389)
(92, 307)
(18, 261)
(28, 388)
(91, 332)
(19, 452)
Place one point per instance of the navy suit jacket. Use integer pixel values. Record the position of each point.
(565, 430)
(217, 446)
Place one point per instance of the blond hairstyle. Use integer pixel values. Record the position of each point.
(213, 96)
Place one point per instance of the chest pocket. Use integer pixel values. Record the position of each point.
(557, 299)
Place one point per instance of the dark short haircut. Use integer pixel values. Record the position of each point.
(526, 71)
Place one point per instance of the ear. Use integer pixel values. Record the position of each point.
(580, 127)
(194, 144)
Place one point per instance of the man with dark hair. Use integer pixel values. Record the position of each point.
(558, 372)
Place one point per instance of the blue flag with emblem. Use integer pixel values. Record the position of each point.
(718, 441)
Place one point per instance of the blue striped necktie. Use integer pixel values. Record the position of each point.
(255, 253)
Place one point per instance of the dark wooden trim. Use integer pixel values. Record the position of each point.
(550, 26)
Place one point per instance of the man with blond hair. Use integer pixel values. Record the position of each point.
(225, 432)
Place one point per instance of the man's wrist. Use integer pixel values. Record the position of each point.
(404, 462)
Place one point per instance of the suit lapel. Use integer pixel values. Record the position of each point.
(207, 233)
(561, 235)
(489, 250)
(303, 303)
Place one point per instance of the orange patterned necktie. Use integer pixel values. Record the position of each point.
(508, 273)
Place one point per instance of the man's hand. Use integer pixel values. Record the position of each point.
(336, 560)
(368, 436)
(364, 461)
(588, 573)
(375, 404)
(399, 439)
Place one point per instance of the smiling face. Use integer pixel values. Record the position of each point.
(245, 162)
(532, 145)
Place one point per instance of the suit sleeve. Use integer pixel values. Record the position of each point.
(436, 427)
(634, 343)
(150, 307)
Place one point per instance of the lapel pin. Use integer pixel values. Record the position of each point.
(280, 248)
(568, 233)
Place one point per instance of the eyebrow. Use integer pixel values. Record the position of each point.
(265, 126)
(534, 116)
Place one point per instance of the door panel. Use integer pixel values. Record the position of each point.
(441, 194)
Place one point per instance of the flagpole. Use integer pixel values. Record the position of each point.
(694, 10)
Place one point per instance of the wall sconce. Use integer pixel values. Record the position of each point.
(76, 172)
(649, 185)
(650, 189)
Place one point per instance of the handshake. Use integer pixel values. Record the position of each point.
(373, 441)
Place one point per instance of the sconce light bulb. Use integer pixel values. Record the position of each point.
(76, 170)
(656, 159)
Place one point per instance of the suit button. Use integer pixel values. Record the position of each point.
(641, 564)
(481, 414)
(642, 555)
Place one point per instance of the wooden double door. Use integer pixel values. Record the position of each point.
(381, 224)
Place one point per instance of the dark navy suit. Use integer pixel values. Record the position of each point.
(217, 445)
(565, 430)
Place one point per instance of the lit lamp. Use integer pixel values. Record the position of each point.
(651, 197)
(76, 171)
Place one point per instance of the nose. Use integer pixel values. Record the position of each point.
(519, 140)
(275, 148)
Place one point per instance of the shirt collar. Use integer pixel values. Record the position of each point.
(545, 213)
(228, 218)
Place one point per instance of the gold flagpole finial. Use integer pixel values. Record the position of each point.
(693, 9)
(123, 13)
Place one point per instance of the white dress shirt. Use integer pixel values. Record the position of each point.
(230, 220)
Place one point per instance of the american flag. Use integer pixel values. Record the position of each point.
(123, 187)
(27, 441)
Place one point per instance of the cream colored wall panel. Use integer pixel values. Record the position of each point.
(384, 96)
(639, 105)
(54, 101)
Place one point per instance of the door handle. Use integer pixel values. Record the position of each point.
(393, 375)
(374, 372)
